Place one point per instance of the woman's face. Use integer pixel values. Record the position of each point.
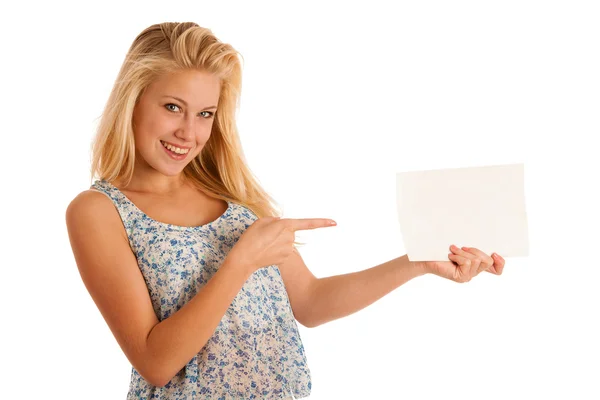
(173, 118)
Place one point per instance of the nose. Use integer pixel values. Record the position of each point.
(187, 129)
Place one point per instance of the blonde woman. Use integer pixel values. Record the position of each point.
(185, 255)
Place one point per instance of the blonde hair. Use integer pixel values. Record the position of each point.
(220, 169)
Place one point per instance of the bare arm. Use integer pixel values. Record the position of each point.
(109, 270)
(341, 295)
(174, 341)
(317, 301)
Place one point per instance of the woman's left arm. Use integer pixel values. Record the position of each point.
(317, 301)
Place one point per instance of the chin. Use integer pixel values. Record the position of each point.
(166, 169)
(172, 171)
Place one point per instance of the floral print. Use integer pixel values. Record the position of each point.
(256, 351)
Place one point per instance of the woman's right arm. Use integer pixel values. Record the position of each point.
(109, 270)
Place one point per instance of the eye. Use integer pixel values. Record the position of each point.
(210, 114)
(171, 104)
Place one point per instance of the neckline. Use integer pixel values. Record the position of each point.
(169, 226)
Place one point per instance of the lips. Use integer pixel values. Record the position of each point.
(175, 145)
(173, 155)
(167, 144)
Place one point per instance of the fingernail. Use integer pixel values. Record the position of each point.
(495, 255)
(332, 222)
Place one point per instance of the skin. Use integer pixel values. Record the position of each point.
(159, 349)
(159, 118)
(316, 301)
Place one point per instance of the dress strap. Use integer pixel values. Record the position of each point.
(127, 211)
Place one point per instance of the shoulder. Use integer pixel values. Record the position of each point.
(90, 207)
(88, 201)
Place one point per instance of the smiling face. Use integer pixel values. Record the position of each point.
(173, 119)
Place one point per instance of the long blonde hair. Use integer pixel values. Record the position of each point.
(220, 169)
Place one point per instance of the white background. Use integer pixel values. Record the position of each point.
(337, 98)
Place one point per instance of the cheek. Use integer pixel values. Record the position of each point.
(151, 128)
(203, 132)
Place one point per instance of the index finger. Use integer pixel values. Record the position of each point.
(298, 224)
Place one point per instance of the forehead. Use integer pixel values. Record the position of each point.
(193, 86)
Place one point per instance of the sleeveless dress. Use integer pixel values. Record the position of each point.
(256, 351)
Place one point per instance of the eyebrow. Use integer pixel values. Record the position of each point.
(183, 101)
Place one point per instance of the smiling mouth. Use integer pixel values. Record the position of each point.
(172, 153)
(174, 149)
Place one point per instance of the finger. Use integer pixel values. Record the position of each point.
(498, 266)
(463, 267)
(498, 263)
(458, 251)
(297, 224)
(461, 252)
(492, 270)
(477, 264)
(486, 261)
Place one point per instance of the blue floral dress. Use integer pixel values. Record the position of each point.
(256, 351)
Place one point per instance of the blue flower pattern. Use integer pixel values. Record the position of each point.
(256, 351)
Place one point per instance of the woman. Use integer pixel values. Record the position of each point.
(182, 251)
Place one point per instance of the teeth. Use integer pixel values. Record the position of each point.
(175, 149)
